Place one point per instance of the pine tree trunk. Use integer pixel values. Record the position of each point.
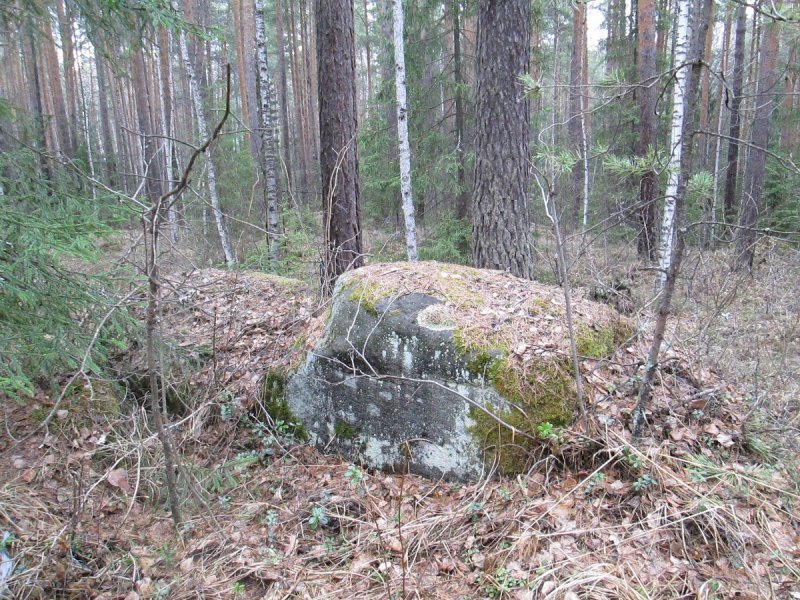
(144, 98)
(500, 218)
(789, 129)
(68, 53)
(65, 142)
(705, 84)
(752, 204)
(32, 68)
(267, 162)
(284, 96)
(462, 200)
(368, 45)
(109, 150)
(403, 147)
(711, 235)
(338, 143)
(165, 72)
(737, 86)
(647, 95)
(197, 101)
(577, 95)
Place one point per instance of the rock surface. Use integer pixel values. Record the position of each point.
(419, 363)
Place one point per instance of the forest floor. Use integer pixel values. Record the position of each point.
(705, 506)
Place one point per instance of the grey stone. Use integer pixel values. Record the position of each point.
(386, 387)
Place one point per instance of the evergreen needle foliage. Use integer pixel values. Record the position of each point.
(49, 310)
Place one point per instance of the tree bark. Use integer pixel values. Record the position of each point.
(647, 95)
(577, 107)
(752, 193)
(284, 96)
(702, 10)
(267, 161)
(500, 220)
(403, 147)
(211, 173)
(65, 142)
(462, 199)
(68, 53)
(737, 85)
(144, 99)
(338, 117)
(677, 146)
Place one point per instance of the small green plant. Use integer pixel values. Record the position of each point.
(595, 481)
(238, 588)
(354, 475)
(270, 518)
(633, 459)
(503, 583)
(318, 517)
(643, 482)
(504, 494)
(166, 554)
(548, 432)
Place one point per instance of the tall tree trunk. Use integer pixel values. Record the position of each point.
(144, 99)
(752, 194)
(711, 231)
(300, 103)
(250, 76)
(500, 218)
(577, 95)
(211, 173)
(267, 162)
(789, 129)
(165, 72)
(647, 95)
(403, 147)
(239, 38)
(702, 9)
(284, 96)
(338, 120)
(32, 68)
(311, 81)
(68, 53)
(677, 143)
(65, 141)
(109, 150)
(368, 45)
(705, 97)
(462, 200)
(737, 86)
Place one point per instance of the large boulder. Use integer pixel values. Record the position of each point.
(443, 370)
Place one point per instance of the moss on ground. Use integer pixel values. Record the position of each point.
(602, 342)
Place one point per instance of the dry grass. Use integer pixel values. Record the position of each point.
(691, 511)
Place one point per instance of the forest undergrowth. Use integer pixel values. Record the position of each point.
(704, 506)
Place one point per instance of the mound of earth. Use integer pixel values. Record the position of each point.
(444, 370)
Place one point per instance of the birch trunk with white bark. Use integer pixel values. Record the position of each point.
(403, 147)
(666, 240)
(202, 126)
(267, 116)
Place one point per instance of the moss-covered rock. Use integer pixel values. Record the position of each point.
(443, 370)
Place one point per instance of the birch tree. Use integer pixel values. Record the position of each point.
(202, 126)
(666, 240)
(267, 117)
(403, 148)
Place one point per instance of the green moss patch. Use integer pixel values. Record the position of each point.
(602, 342)
(344, 430)
(274, 403)
(543, 393)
